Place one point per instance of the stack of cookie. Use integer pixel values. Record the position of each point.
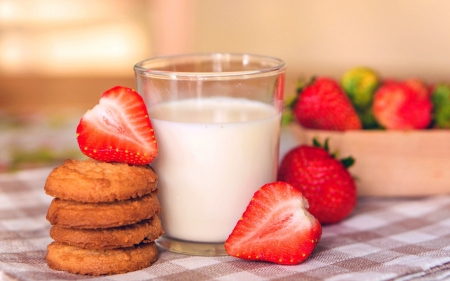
(104, 217)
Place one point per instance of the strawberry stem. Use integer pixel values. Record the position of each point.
(348, 161)
(326, 144)
(316, 143)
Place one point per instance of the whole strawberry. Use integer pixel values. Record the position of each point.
(403, 105)
(441, 106)
(322, 104)
(276, 227)
(323, 180)
(359, 84)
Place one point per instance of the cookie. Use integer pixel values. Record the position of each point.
(72, 259)
(74, 214)
(92, 181)
(109, 238)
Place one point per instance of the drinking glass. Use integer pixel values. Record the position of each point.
(216, 118)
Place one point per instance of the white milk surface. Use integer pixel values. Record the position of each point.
(214, 153)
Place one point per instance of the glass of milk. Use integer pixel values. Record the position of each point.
(217, 119)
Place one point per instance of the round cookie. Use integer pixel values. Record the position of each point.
(67, 213)
(92, 181)
(61, 256)
(109, 238)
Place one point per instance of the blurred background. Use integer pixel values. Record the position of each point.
(57, 57)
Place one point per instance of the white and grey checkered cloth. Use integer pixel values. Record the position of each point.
(384, 239)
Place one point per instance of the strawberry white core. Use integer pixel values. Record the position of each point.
(109, 117)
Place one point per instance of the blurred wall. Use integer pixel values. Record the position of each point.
(399, 38)
(94, 44)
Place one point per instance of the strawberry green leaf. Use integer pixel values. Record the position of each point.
(348, 161)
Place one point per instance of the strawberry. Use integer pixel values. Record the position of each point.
(359, 84)
(323, 180)
(118, 129)
(322, 104)
(403, 105)
(276, 227)
(441, 105)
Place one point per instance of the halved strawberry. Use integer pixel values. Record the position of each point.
(118, 129)
(276, 227)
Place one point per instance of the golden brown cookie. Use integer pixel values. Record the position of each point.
(61, 256)
(67, 213)
(93, 181)
(108, 238)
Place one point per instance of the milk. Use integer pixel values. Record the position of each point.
(214, 153)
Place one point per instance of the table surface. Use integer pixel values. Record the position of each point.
(383, 239)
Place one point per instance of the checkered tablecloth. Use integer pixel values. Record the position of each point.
(384, 239)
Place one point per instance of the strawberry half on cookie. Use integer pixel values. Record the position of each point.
(276, 227)
(118, 129)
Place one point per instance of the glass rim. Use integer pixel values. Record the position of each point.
(276, 66)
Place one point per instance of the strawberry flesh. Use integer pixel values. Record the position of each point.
(276, 227)
(118, 129)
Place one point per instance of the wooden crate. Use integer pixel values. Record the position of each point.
(391, 163)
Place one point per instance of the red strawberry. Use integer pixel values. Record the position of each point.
(275, 227)
(323, 104)
(323, 180)
(403, 105)
(118, 129)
